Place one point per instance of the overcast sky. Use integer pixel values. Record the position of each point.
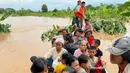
(52, 4)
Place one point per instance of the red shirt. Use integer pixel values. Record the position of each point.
(90, 41)
(78, 14)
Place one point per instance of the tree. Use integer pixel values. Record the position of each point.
(55, 10)
(89, 6)
(125, 9)
(10, 10)
(68, 9)
(2, 10)
(44, 8)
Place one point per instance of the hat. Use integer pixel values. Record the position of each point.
(60, 40)
(120, 46)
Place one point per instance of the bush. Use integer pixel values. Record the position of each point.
(4, 28)
(109, 26)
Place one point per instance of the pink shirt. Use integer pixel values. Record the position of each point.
(88, 27)
(78, 52)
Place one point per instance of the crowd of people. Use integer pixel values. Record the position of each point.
(79, 52)
(76, 52)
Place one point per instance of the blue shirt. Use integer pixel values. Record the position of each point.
(99, 53)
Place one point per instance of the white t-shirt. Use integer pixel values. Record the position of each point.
(77, 8)
(53, 53)
(127, 69)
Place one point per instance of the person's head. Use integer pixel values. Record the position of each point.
(59, 43)
(88, 34)
(96, 43)
(64, 57)
(64, 32)
(120, 51)
(83, 61)
(53, 42)
(39, 65)
(79, 2)
(60, 32)
(73, 62)
(78, 32)
(68, 69)
(82, 34)
(83, 4)
(92, 51)
(68, 39)
(86, 21)
(83, 45)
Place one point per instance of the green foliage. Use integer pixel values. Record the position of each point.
(109, 26)
(126, 9)
(55, 10)
(2, 10)
(23, 12)
(54, 32)
(10, 10)
(6, 15)
(4, 28)
(44, 8)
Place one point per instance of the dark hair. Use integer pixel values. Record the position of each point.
(97, 41)
(80, 30)
(86, 20)
(88, 32)
(92, 48)
(65, 30)
(65, 56)
(70, 59)
(39, 64)
(68, 38)
(126, 56)
(69, 69)
(53, 40)
(75, 32)
(83, 2)
(83, 59)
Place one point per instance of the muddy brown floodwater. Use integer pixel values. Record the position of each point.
(24, 41)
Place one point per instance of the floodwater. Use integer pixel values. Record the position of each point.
(24, 41)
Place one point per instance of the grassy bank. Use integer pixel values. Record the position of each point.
(105, 18)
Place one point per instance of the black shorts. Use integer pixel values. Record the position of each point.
(76, 21)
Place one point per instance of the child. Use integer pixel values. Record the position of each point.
(96, 43)
(88, 25)
(83, 63)
(39, 65)
(73, 62)
(96, 63)
(60, 67)
(89, 37)
(68, 69)
(82, 49)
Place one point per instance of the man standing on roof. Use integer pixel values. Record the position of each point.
(75, 18)
(79, 14)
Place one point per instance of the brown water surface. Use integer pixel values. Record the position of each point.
(24, 41)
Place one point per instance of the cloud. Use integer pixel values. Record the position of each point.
(14, 1)
(52, 4)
